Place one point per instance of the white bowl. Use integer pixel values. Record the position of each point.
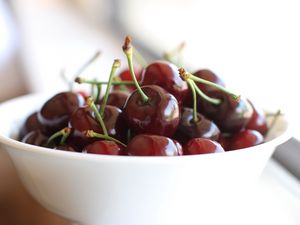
(121, 190)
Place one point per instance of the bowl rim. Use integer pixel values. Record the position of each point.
(13, 143)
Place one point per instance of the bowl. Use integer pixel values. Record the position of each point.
(120, 190)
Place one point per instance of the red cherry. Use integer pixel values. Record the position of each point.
(244, 139)
(159, 115)
(165, 75)
(230, 115)
(126, 76)
(31, 123)
(56, 112)
(153, 145)
(104, 147)
(202, 146)
(258, 120)
(35, 137)
(117, 98)
(188, 129)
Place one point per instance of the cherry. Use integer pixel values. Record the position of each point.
(165, 75)
(117, 98)
(80, 121)
(188, 128)
(31, 123)
(105, 147)
(210, 76)
(150, 109)
(258, 120)
(230, 115)
(153, 145)
(202, 146)
(35, 137)
(159, 115)
(55, 113)
(244, 139)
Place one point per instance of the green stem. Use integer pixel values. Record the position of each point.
(203, 81)
(127, 49)
(204, 96)
(87, 63)
(92, 134)
(114, 68)
(191, 84)
(92, 105)
(85, 81)
(64, 133)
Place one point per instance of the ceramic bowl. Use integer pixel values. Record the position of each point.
(120, 190)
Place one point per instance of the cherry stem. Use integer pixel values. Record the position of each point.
(127, 49)
(116, 64)
(140, 59)
(186, 75)
(92, 105)
(190, 83)
(93, 134)
(81, 80)
(274, 121)
(204, 96)
(64, 133)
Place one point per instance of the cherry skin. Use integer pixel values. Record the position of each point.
(153, 145)
(258, 120)
(230, 115)
(105, 147)
(55, 113)
(31, 123)
(82, 120)
(165, 75)
(159, 115)
(188, 129)
(202, 146)
(244, 139)
(35, 137)
(117, 98)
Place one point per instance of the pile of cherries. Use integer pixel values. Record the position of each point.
(160, 110)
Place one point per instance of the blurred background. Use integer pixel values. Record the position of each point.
(253, 45)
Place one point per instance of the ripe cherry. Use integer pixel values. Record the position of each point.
(165, 75)
(55, 113)
(35, 137)
(117, 98)
(31, 123)
(158, 115)
(153, 145)
(244, 139)
(201, 146)
(105, 147)
(188, 128)
(258, 120)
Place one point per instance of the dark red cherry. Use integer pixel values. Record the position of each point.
(153, 145)
(105, 147)
(224, 140)
(165, 75)
(82, 120)
(117, 98)
(244, 139)
(126, 76)
(202, 146)
(115, 123)
(159, 115)
(230, 115)
(31, 123)
(188, 129)
(55, 113)
(258, 120)
(35, 137)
